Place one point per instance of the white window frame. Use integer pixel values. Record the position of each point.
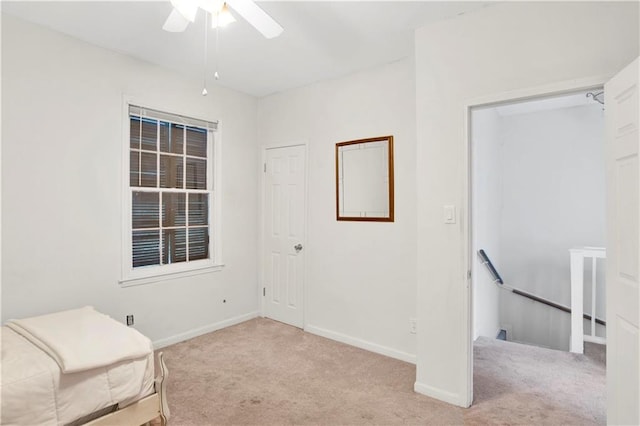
(131, 276)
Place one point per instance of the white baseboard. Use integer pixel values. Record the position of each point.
(362, 344)
(203, 330)
(430, 391)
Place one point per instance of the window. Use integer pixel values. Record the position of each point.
(170, 196)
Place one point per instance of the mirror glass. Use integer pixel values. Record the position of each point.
(364, 179)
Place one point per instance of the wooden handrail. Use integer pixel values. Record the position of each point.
(553, 304)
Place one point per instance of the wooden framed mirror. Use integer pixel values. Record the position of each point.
(364, 180)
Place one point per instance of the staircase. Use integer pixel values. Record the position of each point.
(577, 336)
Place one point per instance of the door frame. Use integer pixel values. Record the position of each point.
(531, 93)
(262, 228)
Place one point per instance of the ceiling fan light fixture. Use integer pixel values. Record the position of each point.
(223, 18)
(187, 8)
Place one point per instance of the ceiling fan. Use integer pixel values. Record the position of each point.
(184, 12)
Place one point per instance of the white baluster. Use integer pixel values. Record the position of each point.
(577, 282)
(593, 296)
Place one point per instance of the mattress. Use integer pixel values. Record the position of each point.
(35, 391)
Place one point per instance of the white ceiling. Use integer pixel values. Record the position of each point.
(321, 39)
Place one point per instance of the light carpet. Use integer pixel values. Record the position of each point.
(262, 372)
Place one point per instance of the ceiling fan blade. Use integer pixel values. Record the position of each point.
(211, 6)
(257, 17)
(175, 23)
(187, 8)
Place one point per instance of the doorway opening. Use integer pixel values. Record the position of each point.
(538, 191)
(538, 178)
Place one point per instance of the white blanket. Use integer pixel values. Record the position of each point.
(82, 339)
(33, 391)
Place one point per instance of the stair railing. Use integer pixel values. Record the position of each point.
(492, 269)
(576, 314)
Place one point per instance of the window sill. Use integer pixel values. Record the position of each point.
(130, 282)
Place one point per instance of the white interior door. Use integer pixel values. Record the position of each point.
(623, 256)
(284, 227)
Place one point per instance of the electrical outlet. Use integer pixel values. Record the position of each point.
(413, 326)
(130, 319)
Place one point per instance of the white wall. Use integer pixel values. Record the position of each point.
(553, 199)
(360, 275)
(61, 174)
(486, 209)
(510, 46)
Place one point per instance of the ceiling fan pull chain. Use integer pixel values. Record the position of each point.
(215, 74)
(204, 66)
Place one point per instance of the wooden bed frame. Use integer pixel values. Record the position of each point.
(152, 409)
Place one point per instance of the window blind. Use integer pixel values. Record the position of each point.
(174, 118)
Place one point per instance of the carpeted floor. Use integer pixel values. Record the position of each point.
(262, 372)
(521, 384)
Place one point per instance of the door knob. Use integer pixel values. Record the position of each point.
(298, 248)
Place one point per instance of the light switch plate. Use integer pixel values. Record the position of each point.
(449, 213)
